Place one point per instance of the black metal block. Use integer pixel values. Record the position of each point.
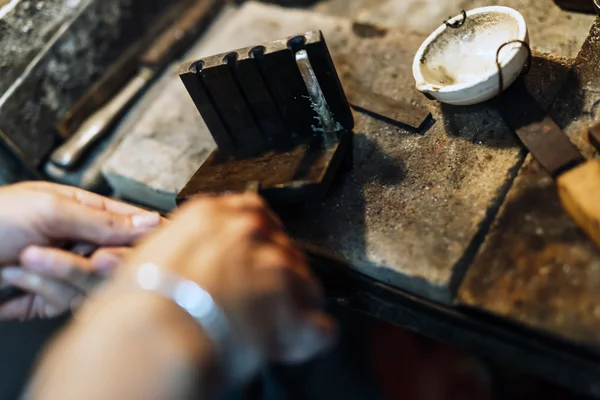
(259, 99)
(268, 129)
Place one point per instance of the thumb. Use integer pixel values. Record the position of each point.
(72, 220)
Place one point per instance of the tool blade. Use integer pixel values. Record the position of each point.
(537, 130)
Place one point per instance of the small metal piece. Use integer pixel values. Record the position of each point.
(539, 133)
(319, 103)
(526, 68)
(457, 24)
(594, 135)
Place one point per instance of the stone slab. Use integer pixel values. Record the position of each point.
(414, 207)
(536, 268)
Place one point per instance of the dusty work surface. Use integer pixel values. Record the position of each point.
(536, 267)
(415, 205)
(550, 28)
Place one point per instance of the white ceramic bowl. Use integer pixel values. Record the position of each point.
(458, 65)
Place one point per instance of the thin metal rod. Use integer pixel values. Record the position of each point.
(319, 103)
(526, 68)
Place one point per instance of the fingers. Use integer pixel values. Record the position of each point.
(230, 209)
(69, 213)
(76, 270)
(58, 297)
(86, 198)
(16, 309)
(70, 220)
(253, 202)
(60, 265)
(203, 219)
(106, 260)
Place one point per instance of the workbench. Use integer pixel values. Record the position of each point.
(452, 231)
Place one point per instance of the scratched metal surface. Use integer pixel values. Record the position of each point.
(536, 267)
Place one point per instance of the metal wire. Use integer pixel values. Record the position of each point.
(457, 24)
(526, 68)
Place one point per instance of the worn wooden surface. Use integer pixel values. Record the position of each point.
(536, 267)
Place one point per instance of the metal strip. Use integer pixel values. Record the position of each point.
(539, 133)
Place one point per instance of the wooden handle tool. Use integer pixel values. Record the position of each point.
(579, 192)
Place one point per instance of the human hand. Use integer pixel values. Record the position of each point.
(235, 249)
(56, 281)
(47, 214)
(36, 219)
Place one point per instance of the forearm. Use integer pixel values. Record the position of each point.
(137, 346)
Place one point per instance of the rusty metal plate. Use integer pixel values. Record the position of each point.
(537, 131)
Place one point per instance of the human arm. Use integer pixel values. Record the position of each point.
(234, 249)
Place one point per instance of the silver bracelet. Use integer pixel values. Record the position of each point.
(188, 295)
